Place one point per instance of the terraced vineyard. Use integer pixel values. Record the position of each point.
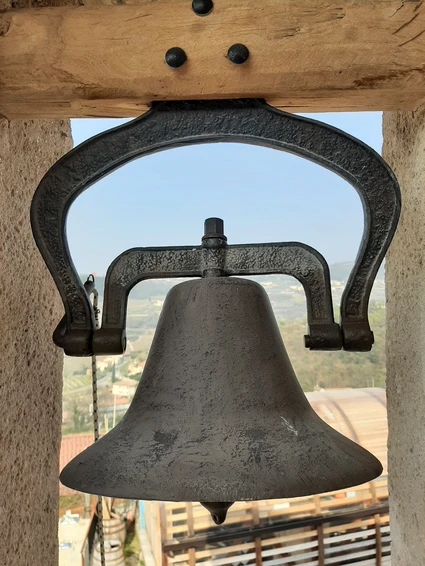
(75, 382)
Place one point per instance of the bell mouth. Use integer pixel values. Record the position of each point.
(276, 464)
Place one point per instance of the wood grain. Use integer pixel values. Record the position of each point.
(104, 59)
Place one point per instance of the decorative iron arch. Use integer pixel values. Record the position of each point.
(173, 124)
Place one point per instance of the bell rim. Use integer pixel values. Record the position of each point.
(229, 496)
(358, 474)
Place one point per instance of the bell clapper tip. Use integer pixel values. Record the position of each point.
(218, 511)
(218, 520)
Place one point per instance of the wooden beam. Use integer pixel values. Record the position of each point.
(104, 59)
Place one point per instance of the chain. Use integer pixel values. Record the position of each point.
(99, 509)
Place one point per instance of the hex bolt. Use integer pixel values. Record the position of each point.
(213, 226)
(175, 57)
(202, 7)
(238, 53)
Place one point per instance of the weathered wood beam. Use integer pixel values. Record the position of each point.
(100, 59)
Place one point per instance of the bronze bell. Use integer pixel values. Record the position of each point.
(219, 415)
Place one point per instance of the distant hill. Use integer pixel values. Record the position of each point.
(341, 271)
(286, 295)
(158, 288)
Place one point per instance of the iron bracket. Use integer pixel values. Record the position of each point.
(174, 124)
(140, 264)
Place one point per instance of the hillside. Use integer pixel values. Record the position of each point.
(159, 287)
(286, 295)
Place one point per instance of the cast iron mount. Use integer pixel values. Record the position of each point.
(174, 124)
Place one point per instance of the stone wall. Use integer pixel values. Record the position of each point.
(30, 365)
(404, 149)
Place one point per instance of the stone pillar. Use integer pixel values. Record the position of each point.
(30, 365)
(404, 149)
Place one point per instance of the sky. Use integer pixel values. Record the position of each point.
(263, 195)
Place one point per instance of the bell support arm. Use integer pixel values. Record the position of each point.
(132, 267)
(292, 258)
(174, 124)
(309, 267)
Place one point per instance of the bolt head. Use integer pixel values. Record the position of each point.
(202, 7)
(175, 57)
(238, 53)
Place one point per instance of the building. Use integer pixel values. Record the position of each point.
(124, 388)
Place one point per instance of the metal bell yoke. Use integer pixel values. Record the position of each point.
(173, 124)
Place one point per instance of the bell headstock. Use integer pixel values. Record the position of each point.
(172, 124)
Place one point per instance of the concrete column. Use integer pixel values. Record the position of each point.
(30, 365)
(404, 149)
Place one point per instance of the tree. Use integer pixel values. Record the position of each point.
(77, 417)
